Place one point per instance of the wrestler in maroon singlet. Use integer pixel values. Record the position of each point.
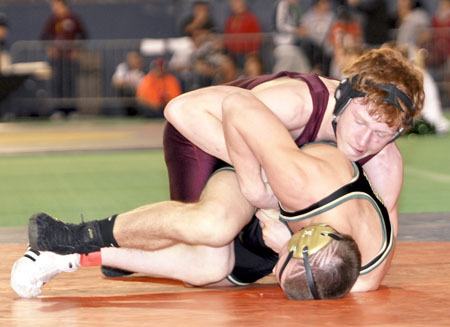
(189, 167)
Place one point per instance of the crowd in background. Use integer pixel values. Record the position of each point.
(320, 36)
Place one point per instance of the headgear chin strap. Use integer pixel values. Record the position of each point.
(305, 243)
(345, 93)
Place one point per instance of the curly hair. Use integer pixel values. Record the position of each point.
(388, 66)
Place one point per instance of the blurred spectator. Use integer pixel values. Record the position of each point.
(288, 52)
(199, 19)
(414, 34)
(196, 61)
(290, 57)
(63, 27)
(5, 59)
(316, 24)
(126, 79)
(439, 41)
(241, 21)
(253, 66)
(128, 74)
(343, 57)
(432, 109)
(205, 60)
(375, 20)
(5, 63)
(228, 70)
(346, 38)
(157, 88)
(346, 30)
(438, 48)
(287, 21)
(439, 52)
(413, 23)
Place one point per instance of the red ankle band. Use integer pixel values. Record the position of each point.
(91, 259)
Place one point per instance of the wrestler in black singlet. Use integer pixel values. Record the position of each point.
(254, 260)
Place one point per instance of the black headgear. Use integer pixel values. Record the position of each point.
(345, 92)
(306, 242)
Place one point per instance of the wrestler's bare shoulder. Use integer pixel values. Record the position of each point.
(211, 91)
(207, 99)
(323, 151)
(294, 93)
(330, 161)
(289, 98)
(295, 84)
(281, 84)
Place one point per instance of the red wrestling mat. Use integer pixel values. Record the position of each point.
(416, 292)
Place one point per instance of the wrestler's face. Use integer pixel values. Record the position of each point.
(358, 134)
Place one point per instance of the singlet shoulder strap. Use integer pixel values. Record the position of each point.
(325, 204)
(319, 95)
(358, 188)
(251, 82)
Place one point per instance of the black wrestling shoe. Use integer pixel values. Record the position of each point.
(115, 272)
(48, 234)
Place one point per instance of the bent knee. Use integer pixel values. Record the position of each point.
(214, 226)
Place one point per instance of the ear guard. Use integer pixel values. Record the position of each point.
(345, 93)
(305, 243)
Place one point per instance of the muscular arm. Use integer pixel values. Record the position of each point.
(198, 114)
(264, 142)
(385, 172)
(372, 281)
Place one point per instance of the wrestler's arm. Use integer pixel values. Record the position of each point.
(372, 280)
(198, 116)
(385, 173)
(269, 143)
(274, 232)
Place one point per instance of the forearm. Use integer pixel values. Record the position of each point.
(275, 233)
(258, 127)
(385, 173)
(248, 169)
(372, 281)
(248, 139)
(240, 131)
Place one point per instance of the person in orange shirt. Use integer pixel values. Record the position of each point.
(157, 88)
(241, 32)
